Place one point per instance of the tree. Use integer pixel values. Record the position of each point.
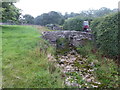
(91, 13)
(10, 13)
(102, 11)
(29, 19)
(37, 20)
(49, 18)
(55, 17)
(72, 14)
(73, 24)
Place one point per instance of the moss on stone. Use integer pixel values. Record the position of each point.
(62, 46)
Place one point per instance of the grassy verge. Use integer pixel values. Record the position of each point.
(105, 69)
(25, 62)
(0, 57)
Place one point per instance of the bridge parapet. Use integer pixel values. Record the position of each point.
(75, 38)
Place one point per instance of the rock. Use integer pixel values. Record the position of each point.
(53, 27)
(66, 64)
(88, 80)
(75, 38)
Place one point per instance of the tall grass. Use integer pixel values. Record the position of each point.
(25, 62)
(0, 57)
(105, 69)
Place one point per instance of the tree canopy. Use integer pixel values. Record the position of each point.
(91, 13)
(49, 18)
(29, 19)
(10, 13)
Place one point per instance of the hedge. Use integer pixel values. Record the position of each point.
(105, 30)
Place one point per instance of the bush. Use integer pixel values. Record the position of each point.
(105, 30)
(105, 70)
(86, 49)
(73, 24)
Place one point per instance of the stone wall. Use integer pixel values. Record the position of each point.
(75, 38)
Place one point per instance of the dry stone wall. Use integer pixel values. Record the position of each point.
(75, 38)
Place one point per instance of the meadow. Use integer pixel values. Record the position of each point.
(24, 59)
(25, 62)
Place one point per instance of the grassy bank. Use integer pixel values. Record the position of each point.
(105, 69)
(24, 60)
(0, 57)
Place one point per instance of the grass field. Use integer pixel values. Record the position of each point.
(24, 64)
(0, 57)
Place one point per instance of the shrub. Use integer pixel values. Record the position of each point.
(105, 70)
(86, 49)
(73, 24)
(105, 30)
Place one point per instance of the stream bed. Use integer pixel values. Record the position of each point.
(77, 70)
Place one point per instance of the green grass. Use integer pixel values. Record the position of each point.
(106, 70)
(24, 61)
(0, 57)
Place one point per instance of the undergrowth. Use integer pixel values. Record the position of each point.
(106, 70)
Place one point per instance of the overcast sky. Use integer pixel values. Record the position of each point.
(37, 7)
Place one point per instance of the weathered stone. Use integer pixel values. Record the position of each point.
(53, 27)
(75, 38)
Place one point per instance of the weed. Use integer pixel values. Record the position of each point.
(106, 71)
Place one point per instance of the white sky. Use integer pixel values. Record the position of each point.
(37, 7)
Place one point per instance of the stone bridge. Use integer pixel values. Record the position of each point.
(75, 38)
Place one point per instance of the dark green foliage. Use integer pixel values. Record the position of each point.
(10, 13)
(107, 73)
(72, 14)
(49, 18)
(102, 11)
(73, 24)
(62, 46)
(91, 13)
(29, 19)
(105, 70)
(86, 49)
(105, 30)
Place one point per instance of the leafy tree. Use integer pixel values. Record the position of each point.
(29, 19)
(38, 21)
(54, 17)
(49, 18)
(9, 12)
(72, 14)
(73, 24)
(91, 13)
(66, 15)
(45, 19)
(22, 21)
(102, 11)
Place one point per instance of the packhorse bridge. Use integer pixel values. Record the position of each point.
(75, 38)
(67, 56)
